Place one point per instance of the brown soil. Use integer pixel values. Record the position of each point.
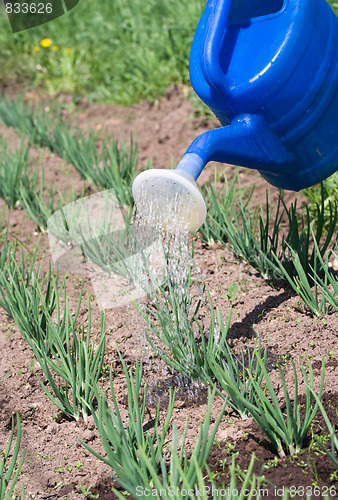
(56, 464)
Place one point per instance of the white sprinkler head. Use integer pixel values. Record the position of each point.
(169, 199)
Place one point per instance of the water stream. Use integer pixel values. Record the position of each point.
(173, 284)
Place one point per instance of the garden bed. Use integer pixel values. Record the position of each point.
(56, 464)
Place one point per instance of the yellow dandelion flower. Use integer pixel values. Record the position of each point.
(56, 48)
(68, 50)
(46, 42)
(36, 49)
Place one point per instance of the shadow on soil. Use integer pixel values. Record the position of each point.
(244, 328)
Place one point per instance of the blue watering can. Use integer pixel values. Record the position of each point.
(269, 72)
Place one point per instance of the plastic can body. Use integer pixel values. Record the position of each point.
(278, 62)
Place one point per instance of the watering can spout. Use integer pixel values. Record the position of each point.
(177, 204)
(248, 142)
(269, 68)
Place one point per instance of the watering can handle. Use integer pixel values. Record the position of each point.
(215, 30)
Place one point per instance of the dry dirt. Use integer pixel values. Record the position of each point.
(56, 464)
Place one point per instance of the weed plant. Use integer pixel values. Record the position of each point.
(138, 458)
(333, 452)
(329, 188)
(232, 373)
(4, 376)
(285, 432)
(10, 468)
(72, 357)
(250, 487)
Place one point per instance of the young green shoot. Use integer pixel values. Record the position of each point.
(138, 458)
(232, 373)
(10, 468)
(183, 344)
(75, 360)
(27, 294)
(286, 432)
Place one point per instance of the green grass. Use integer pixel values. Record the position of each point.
(334, 5)
(120, 52)
(201, 113)
(4, 376)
